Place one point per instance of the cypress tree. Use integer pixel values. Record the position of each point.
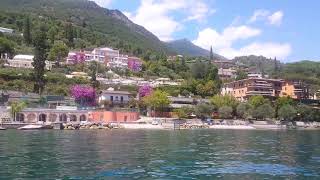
(211, 54)
(40, 55)
(27, 30)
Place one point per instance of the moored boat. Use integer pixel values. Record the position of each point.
(2, 128)
(31, 127)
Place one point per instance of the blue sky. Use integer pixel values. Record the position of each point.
(285, 29)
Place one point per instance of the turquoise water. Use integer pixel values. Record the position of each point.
(190, 154)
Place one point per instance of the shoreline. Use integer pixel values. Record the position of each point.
(165, 125)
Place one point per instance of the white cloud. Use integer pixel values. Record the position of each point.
(223, 43)
(156, 16)
(270, 50)
(258, 15)
(103, 3)
(210, 37)
(276, 18)
(265, 15)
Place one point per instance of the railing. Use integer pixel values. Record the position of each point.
(266, 93)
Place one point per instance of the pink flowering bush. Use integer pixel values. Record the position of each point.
(78, 58)
(84, 95)
(145, 90)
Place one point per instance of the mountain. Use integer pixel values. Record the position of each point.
(187, 48)
(110, 24)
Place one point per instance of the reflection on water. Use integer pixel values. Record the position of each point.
(194, 154)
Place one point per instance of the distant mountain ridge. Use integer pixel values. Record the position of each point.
(187, 48)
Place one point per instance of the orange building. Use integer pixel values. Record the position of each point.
(271, 88)
(245, 88)
(295, 89)
(113, 116)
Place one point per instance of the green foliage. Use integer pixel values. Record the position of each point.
(256, 101)
(263, 111)
(27, 30)
(93, 70)
(221, 101)
(287, 112)
(158, 99)
(225, 112)
(241, 75)
(16, 107)
(6, 46)
(204, 110)
(243, 110)
(58, 52)
(183, 112)
(40, 55)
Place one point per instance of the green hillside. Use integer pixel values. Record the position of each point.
(97, 26)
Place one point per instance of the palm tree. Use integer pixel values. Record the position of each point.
(17, 107)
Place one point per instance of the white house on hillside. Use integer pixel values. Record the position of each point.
(25, 61)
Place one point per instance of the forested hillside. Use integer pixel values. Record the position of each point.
(90, 24)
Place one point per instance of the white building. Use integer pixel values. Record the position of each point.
(25, 61)
(115, 97)
(105, 54)
(6, 30)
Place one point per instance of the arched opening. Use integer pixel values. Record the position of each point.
(53, 117)
(20, 117)
(63, 118)
(31, 117)
(83, 117)
(43, 117)
(73, 118)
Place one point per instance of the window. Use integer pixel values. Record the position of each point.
(117, 98)
(111, 98)
(121, 98)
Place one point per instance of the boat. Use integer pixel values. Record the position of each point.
(2, 128)
(32, 127)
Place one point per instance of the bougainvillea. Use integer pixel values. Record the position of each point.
(84, 95)
(78, 58)
(145, 90)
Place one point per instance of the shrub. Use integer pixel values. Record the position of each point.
(225, 112)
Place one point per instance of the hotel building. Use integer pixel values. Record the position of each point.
(270, 88)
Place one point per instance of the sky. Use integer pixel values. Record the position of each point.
(285, 29)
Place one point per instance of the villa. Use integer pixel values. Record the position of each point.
(25, 61)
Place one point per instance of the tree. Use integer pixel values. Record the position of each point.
(204, 110)
(225, 112)
(287, 112)
(157, 100)
(93, 70)
(58, 52)
(53, 31)
(256, 101)
(241, 75)
(69, 34)
(263, 111)
(27, 30)
(227, 100)
(17, 107)
(6, 47)
(211, 54)
(40, 56)
(243, 110)
(183, 112)
(282, 101)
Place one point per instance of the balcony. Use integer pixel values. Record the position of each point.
(262, 93)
